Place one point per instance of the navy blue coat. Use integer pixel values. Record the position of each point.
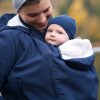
(30, 69)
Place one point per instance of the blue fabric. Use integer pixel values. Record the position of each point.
(4, 19)
(0, 97)
(30, 69)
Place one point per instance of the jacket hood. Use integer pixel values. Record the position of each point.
(5, 18)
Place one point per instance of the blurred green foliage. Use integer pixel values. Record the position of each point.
(87, 15)
(97, 64)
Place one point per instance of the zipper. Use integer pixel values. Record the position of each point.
(50, 68)
(51, 72)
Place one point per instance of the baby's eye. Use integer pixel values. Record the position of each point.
(49, 30)
(60, 32)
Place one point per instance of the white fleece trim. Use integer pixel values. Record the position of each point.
(76, 48)
(15, 21)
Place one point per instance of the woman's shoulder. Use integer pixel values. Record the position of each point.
(13, 31)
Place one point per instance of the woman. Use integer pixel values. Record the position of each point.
(30, 69)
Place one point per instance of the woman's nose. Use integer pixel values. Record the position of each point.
(42, 19)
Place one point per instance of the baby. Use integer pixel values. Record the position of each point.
(61, 33)
(60, 30)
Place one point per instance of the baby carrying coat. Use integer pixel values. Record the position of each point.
(30, 69)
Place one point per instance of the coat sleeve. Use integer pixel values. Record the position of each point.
(7, 56)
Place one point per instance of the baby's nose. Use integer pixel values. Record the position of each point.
(52, 34)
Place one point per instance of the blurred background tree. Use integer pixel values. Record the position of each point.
(85, 12)
(87, 15)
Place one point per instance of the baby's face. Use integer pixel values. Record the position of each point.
(56, 35)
